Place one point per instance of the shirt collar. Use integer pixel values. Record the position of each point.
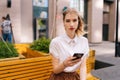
(69, 40)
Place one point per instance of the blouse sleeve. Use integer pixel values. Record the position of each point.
(86, 49)
(53, 49)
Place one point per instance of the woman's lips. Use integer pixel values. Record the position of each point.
(71, 28)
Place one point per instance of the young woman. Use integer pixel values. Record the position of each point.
(63, 48)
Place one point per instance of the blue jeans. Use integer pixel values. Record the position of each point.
(7, 37)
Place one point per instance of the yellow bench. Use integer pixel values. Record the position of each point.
(38, 68)
(26, 69)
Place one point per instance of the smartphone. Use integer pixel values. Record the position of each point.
(77, 55)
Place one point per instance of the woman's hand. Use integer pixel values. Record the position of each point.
(70, 62)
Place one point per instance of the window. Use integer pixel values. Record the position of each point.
(40, 8)
(40, 15)
(79, 5)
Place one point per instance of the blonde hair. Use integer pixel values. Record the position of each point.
(80, 28)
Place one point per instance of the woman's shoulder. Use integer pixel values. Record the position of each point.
(83, 38)
(57, 39)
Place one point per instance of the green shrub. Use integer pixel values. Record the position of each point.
(7, 53)
(42, 44)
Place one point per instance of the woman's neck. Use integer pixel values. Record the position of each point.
(71, 36)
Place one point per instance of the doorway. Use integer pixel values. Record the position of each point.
(105, 32)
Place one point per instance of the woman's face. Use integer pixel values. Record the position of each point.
(71, 23)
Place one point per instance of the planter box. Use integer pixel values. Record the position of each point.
(27, 52)
(38, 68)
(13, 58)
(33, 53)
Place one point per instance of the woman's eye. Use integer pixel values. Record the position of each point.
(67, 20)
(74, 20)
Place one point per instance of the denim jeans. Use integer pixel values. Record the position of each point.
(7, 37)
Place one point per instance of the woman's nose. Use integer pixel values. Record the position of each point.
(71, 23)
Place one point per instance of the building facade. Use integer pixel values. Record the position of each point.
(32, 19)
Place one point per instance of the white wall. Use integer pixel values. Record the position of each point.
(21, 17)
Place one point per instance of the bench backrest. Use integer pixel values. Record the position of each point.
(26, 69)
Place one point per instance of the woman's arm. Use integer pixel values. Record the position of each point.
(59, 67)
(83, 71)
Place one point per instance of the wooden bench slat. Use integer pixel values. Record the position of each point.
(24, 65)
(22, 72)
(44, 66)
(5, 63)
(42, 62)
(36, 76)
(29, 75)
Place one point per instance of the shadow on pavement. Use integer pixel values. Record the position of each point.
(100, 64)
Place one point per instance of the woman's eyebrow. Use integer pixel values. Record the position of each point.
(67, 19)
(74, 19)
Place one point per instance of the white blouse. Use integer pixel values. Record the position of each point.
(62, 47)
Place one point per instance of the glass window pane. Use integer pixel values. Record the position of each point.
(79, 5)
(40, 14)
(40, 7)
(41, 27)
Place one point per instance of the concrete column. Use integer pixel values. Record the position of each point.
(95, 20)
(52, 18)
(112, 21)
(26, 21)
(119, 24)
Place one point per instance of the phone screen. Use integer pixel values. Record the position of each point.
(77, 55)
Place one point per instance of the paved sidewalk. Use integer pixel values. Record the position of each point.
(105, 52)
